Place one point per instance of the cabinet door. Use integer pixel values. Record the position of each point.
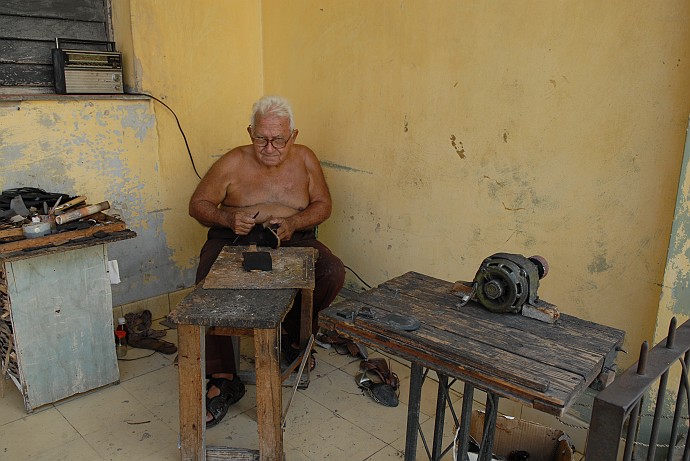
(63, 325)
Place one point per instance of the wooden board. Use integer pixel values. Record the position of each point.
(63, 324)
(293, 267)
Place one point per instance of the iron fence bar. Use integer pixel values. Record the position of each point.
(632, 429)
(677, 413)
(654, 436)
(686, 386)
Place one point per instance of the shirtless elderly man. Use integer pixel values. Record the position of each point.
(275, 180)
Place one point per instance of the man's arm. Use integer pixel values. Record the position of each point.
(203, 206)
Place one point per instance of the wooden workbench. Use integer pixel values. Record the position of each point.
(233, 299)
(541, 365)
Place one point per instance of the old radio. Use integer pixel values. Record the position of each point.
(80, 71)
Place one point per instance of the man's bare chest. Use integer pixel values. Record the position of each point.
(288, 189)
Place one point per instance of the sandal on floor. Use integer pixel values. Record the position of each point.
(231, 391)
(381, 393)
(343, 345)
(381, 368)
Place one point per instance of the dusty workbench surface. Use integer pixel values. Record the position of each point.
(234, 308)
(230, 296)
(545, 366)
(106, 229)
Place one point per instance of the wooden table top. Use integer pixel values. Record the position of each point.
(545, 366)
(233, 297)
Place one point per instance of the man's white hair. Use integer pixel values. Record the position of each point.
(272, 105)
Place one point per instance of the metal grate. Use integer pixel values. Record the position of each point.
(618, 407)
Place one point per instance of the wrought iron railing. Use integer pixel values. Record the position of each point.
(618, 407)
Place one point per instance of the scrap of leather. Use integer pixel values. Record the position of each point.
(257, 261)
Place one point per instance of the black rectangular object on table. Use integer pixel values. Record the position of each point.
(257, 261)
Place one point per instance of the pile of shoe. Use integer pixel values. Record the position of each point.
(142, 336)
(341, 344)
(379, 382)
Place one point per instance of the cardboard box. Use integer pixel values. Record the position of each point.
(512, 434)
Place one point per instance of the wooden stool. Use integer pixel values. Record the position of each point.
(234, 301)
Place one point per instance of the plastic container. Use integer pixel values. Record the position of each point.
(36, 229)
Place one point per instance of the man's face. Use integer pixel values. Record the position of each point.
(272, 130)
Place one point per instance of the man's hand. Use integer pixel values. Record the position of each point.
(241, 222)
(285, 227)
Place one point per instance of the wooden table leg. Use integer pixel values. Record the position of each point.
(269, 402)
(414, 404)
(305, 329)
(192, 369)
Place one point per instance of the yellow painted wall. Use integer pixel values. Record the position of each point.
(203, 59)
(453, 130)
(448, 130)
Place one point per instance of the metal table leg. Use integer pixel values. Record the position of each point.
(464, 432)
(413, 412)
(489, 427)
(440, 416)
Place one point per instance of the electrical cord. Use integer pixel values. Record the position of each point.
(178, 125)
(360, 278)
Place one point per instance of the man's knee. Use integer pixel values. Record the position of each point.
(331, 269)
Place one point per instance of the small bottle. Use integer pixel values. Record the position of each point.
(120, 338)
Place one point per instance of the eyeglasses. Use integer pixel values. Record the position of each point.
(277, 143)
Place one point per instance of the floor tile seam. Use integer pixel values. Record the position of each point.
(342, 416)
(402, 452)
(149, 370)
(76, 431)
(150, 410)
(131, 396)
(18, 418)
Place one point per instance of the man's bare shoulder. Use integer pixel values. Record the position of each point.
(237, 154)
(304, 153)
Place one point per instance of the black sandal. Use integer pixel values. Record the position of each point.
(231, 391)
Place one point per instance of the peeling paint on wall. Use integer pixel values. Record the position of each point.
(106, 150)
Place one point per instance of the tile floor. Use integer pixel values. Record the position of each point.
(138, 418)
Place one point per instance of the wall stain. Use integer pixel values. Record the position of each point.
(405, 125)
(48, 120)
(505, 136)
(459, 148)
(599, 264)
(335, 166)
